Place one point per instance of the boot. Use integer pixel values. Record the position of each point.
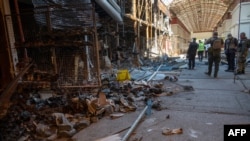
(239, 72)
(243, 71)
(207, 73)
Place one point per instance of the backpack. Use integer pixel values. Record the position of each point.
(217, 43)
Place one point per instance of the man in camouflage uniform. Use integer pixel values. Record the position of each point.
(214, 55)
(242, 52)
(230, 46)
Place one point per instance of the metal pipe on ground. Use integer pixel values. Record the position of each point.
(152, 76)
(125, 138)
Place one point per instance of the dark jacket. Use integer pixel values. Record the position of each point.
(192, 49)
(228, 43)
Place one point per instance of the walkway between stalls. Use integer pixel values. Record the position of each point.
(201, 114)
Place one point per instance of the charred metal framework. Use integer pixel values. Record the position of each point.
(61, 40)
(61, 36)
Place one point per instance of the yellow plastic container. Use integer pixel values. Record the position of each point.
(123, 75)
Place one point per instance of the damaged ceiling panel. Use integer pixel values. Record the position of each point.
(200, 15)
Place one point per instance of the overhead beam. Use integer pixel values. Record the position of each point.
(199, 15)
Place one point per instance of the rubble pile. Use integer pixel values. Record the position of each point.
(38, 113)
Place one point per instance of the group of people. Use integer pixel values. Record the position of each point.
(232, 47)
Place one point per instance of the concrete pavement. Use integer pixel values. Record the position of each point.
(201, 113)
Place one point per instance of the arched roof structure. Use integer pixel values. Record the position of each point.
(200, 15)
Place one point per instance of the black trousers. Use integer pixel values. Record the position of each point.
(231, 60)
(191, 61)
(200, 55)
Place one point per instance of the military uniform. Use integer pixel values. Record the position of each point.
(231, 44)
(242, 52)
(214, 56)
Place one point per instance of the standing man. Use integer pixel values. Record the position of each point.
(201, 50)
(242, 52)
(214, 53)
(191, 53)
(230, 46)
